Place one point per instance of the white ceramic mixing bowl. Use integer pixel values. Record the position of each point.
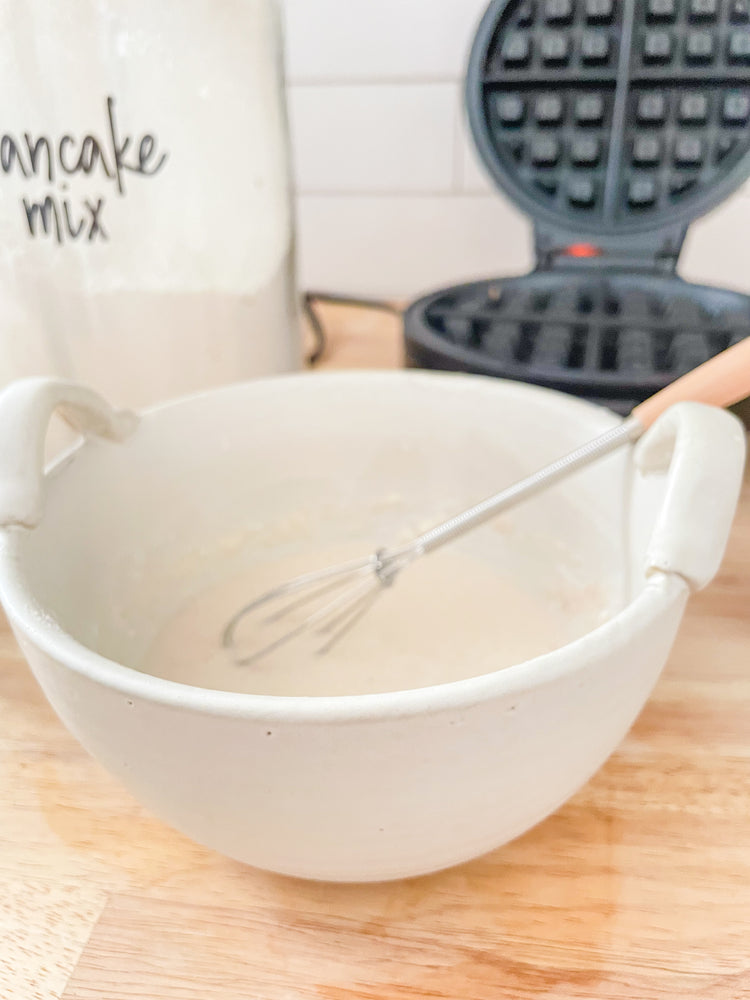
(98, 552)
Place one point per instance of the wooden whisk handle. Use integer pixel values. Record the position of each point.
(722, 381)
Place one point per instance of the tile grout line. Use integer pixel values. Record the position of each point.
(400, 193)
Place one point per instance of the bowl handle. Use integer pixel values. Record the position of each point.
(703, 448)
(26, 408)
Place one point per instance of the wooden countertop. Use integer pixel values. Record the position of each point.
(637, 889)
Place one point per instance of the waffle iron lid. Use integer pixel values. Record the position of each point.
(613, 121)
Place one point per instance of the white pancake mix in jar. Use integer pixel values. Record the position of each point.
(145, 211)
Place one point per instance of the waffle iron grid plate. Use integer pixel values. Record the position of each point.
(607, 121)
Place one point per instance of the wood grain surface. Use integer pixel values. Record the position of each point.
(637, 889)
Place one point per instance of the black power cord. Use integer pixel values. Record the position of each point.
(309, 299)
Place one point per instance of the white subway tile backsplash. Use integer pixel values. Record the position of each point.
(474, 177)
(716, 250)
(392, 197)
(401, 246)
(373, 138)
(378, 39)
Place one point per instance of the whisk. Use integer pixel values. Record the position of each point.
(332, 600)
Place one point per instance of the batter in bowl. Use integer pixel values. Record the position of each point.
(450, 616)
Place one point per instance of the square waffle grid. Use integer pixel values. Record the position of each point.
(619, 338)
(615, 110)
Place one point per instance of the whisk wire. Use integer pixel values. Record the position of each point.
(302, 582)
(340, 607)
(343, 610)
(357, 610)
(314, 594)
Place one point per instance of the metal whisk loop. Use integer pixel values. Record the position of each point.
(363, 579)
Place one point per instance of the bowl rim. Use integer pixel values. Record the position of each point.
(33, 625)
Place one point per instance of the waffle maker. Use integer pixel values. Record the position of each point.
(613, 124)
